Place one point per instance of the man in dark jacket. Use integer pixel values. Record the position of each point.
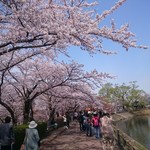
(6, 134)
(81, 120)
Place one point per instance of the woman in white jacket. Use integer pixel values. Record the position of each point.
(31, 141)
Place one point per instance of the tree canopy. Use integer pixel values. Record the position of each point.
(33, 33)
(126, 96)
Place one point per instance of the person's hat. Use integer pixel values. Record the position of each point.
(95, 113)
(32, 124)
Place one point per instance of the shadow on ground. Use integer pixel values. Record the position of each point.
(74, 139)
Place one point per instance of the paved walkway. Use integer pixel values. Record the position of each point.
(73, 139)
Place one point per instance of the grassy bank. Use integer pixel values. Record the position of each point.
(127, 115)
(141, 112)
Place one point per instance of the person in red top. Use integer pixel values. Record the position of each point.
(97, 125)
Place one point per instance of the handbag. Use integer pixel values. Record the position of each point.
(22, 147)
(39, 143)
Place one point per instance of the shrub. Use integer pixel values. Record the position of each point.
(42, 127)
(19, 135)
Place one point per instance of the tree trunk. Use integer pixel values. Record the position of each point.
(14, 120)
(52, 117)
(26, 113)
(31, 113)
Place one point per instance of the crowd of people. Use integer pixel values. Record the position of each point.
(96, 123)
(93, 123)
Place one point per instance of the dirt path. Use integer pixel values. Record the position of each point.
(73, 139)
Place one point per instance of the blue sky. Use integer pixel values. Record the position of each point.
(132, 65)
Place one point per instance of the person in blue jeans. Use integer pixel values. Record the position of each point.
(97, 125)
(89, 126)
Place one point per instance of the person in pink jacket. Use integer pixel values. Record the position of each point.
(107, 127)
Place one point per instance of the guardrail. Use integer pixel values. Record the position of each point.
(125, 142)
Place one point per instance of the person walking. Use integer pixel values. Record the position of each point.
(89, 126)
(81, 121)
(97, 125)
(6, 134)
(32, 139)
(75, 115)
(107, 128)
(68, 119)
(65, 121)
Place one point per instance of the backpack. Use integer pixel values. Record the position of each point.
(95, 121)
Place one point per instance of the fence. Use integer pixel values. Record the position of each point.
(125, 142)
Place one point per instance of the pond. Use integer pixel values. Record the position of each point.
(138, 128)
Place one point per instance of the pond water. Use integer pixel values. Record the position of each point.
(138, 128)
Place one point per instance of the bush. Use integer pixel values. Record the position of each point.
(42, 127)
(19, 135)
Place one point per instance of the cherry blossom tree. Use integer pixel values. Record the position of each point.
(8, 62)
(35, 77)
(43, 29)
(55, 25)
(61, 99)
(66, 99)
(8, 98)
